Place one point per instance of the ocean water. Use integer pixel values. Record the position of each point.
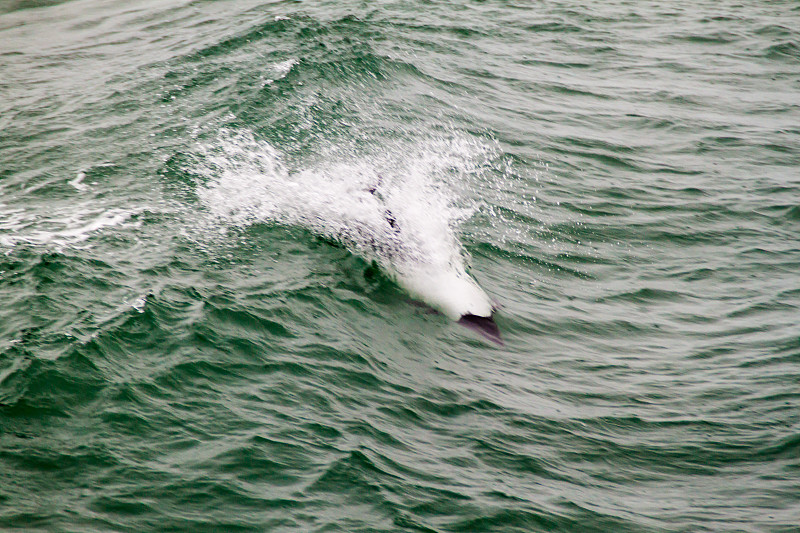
(212, 213)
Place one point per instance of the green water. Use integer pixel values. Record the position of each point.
(200, 324)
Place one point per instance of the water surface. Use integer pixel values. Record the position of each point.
(201, 327)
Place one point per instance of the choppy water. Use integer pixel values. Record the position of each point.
(201, 327)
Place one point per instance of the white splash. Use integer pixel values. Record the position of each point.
(139, 303)
(395, 206)
(280, 70)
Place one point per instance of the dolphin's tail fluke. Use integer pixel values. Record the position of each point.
(484, 325)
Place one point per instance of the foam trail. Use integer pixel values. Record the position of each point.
(62, 226)
(382, 207)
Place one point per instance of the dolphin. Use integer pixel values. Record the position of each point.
(455, 294)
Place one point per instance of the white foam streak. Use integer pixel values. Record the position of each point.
(78, 181)
(68, 226)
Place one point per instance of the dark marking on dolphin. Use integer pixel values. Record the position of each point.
(387, 213)
(485, 325)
